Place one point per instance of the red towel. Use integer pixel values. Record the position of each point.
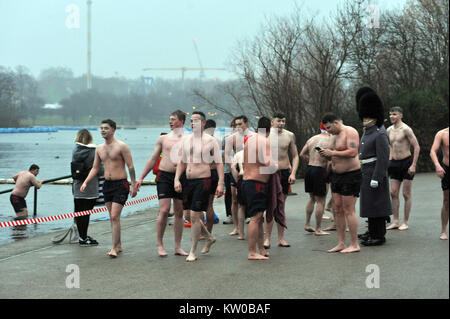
(275, 207)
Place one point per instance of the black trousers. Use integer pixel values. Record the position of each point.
(228, 193)
(377, 227)
(82, 204)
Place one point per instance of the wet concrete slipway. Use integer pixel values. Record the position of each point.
(412, 263)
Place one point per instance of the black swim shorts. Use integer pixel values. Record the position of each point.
(116, 191)
(165, 186)
(214, 181)
(316, 180)
(18, 203)
(196, 194)
(256, 196)
(347, 184)
(398, 169)
(284, 179)
(444, 181)
(240, 193)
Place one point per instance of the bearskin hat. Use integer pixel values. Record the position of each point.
(360, 93)
(369, 105)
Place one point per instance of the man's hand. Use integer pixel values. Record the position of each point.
(133, 190)
(177, 186)
(219, 190)
(83, 187)
(138, 184)
(412, 170)
(440, 172)
(291, 179)
(326, 152)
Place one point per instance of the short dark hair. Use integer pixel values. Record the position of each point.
(210, 123)
(397, 109)
(201, 114)
(110, 123)
(241, 117)
(180, 115)
(279, 115)
(265, 123)
(330, 118)
(33, 167)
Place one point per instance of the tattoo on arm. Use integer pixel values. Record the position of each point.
(132, 174)
(352, 144)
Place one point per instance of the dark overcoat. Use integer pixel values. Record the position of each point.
(375, 202)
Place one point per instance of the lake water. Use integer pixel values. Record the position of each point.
(53, 153)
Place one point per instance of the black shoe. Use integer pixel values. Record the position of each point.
(374, 242)
(364, 236)
(87, 242)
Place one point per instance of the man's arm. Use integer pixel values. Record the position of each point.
(228, 149)
(219, 166)
(433, 154)
(93, 172)
(151, 161)
(352, 147)
(126, 154)
(295, 159)
(415, 144)
(35, 182)
(15, 177)
(304, 154)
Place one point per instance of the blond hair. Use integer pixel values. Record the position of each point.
(84, 137)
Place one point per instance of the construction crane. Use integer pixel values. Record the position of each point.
(202, 73)
(183, 70)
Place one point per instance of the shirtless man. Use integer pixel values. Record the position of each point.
(237, 169)
(346, 179)
(258, 165)
(24, 180)
(402, 166)
(198, 152)
(441, 141)
(286, 145)
(316, 176)
(114, 154)
(165, 182)
(233, 144)
(210, 127)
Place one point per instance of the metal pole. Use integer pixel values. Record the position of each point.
(35, 202)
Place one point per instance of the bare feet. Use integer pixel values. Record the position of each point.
(256, 256)
(162, 252)
(180, 252)
(283, 243)
(403, 227)
(444, 236)
(330, 228)
(337, 248)
(309, 229)
(264, 253)
(350, 249)
(320, 233)
(326, 217)
(191, 257)
(393, 226)
(267, 244)
(112, 253)
(241, 238)
(234, 233)
(209, 242)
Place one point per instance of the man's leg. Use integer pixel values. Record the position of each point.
(444, 216)
(349, 211)
(178, 226)
(161, 222)
(228, 195)
(210, 214)
(339, 218)
(407, 185)
(234, 211)
(196, 229)
(115, 210)
(320, 207)
(268, 232)
(241, 221)
(254, 236)
(395, 188)
(23, 214)
(309, 211)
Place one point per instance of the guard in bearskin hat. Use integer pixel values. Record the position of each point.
(375, 201)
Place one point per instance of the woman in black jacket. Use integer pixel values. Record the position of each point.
(83, 155)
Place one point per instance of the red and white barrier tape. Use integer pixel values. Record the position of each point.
(70, 215)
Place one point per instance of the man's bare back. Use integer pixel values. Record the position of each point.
(256, 146)
(24, 180)
(314, 158)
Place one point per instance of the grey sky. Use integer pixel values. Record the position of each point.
(129, 35)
